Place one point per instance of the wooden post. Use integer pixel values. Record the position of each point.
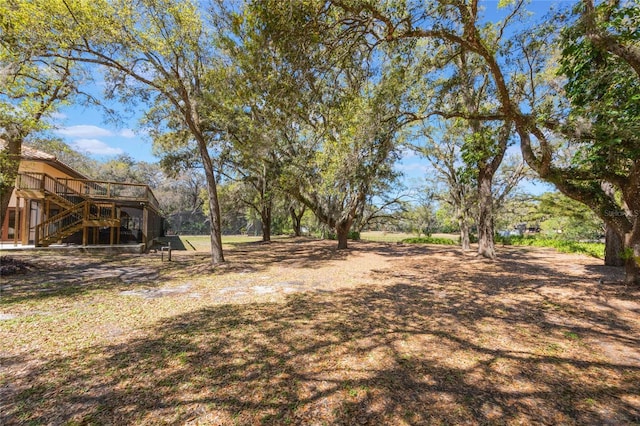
(85, 229)
(47, 209)
(41, 208)
(145, 225)
(112, 229)
(24, 232)
(16, 222)
(119, 215)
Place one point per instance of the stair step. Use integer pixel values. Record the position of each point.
(101, 222)
(60, 235)
(45, 242)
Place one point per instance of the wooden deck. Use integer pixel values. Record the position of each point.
(73, 205)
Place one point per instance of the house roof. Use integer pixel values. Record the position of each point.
(29, 153)
(34, 154)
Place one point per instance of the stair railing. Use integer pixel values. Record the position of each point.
(65, 192)
(60, 223)
(43, 182)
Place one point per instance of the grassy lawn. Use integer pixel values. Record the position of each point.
(394, 237)
(295, 332)
(203, 242)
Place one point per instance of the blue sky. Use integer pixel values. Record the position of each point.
(86, 130)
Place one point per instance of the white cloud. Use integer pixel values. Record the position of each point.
(127, 133)
(84, 131)
(57, 115)
(95, 146)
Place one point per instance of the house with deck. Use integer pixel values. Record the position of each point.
(53, 204)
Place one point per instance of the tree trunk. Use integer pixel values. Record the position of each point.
(296, 220)
(7, 184)
(631, 270)
(265, 216)
(632, 254)
(217, 255)
(465, 242)
(613, 247)
(10, 162)
(342, 233)
(486, 246)
(265, 205)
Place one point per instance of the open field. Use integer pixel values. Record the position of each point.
(202, 242)
(392, 237)
(294, 332)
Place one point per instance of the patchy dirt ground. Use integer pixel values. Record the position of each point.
(294, 332)
(11, 266)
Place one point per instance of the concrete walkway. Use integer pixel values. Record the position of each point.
(116, 248)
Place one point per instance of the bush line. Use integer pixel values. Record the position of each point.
(563, 246)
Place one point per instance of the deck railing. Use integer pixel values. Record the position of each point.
(101, 211)
(105, 190)
(87, 189)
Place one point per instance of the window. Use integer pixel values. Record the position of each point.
(9, 228)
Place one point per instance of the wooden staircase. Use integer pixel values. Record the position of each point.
(78, 212)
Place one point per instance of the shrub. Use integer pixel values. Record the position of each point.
(473, 238)
(563, 246)
(353, 235)
(428, 240)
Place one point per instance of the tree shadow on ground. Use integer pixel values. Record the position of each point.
(70, 276)
(299, 253)
(481, 346)
(175, 241)
(65, 275)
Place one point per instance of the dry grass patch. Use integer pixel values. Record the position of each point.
(295, 332)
